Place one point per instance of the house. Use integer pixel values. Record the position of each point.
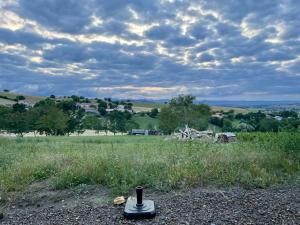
(87, 106)
(26, 103)
(218, 115)
(120, 108)
(144, 132)
(278, 118)
(138, 132)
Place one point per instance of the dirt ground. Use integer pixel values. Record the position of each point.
(92, 204)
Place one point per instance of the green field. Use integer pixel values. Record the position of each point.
(213, 108)
(123, 162)
(6, 102)
(29, 98)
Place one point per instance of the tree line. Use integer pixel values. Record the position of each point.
(52, 117)
(65, 116)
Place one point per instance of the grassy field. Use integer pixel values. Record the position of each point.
(151, 105)
(29, 98)
(236, 110)
(123, 162)
(6, 102)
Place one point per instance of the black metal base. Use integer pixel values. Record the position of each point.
(132, 211)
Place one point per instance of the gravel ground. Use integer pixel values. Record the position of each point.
(197, 206)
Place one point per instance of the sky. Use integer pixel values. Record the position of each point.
(150, 49)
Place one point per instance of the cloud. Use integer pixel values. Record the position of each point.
(153, 49)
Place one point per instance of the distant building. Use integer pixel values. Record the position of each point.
(87, 106)
(218, 115)
(278, 118)
(120, 108)
(26, 103)
(139, 132)
(144, 132)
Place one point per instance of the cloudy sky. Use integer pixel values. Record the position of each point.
(213, 49)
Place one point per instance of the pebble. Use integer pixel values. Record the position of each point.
(198, 206)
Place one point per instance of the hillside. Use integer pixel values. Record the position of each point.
(147, 106)
(29, 98)
(6, 102)
(137, 106)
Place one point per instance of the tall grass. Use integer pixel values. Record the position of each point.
(123, 162)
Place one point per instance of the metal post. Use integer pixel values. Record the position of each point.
(139, 196)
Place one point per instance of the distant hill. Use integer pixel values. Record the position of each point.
(6, 102)
(29, 98)
(147, 106)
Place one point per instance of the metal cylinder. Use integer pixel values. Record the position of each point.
(139, 196)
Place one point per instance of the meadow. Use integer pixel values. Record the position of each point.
(120, 163)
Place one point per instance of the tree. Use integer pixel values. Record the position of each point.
(17, 123)
(4, 115)
(102, 104)
(268, 125)
(75, 98)
(54, 122)
(182, 111)
(117, 122)
(19, 108)
(20, 97)
(245, 127)
(153, 113)
(74, 115)
(128, 106)
(52, 96)
(167, 120)
(6, 90)
(227, 125)
(93, 123)
(32, 116)
(102, 111)
(45, 103)
(68, 106)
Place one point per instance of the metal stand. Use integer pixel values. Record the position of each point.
(139, 209)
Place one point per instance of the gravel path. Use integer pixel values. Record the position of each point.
(198, 206)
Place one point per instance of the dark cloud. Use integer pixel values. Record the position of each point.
(161, 32)
(206, 57)
(199, 31)
(213, 49)
(66, 16)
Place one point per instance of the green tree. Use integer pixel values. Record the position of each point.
(102, 104)
(17, 123)
(19, 108)
(267, 124)
(54, 122)
(182, 111)
(227, 125)
(117, 122)
(153, 113)
(168, 120)
(20, 97)
(5, 112)
(32, 116)
(245, 127)
(102, 111)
